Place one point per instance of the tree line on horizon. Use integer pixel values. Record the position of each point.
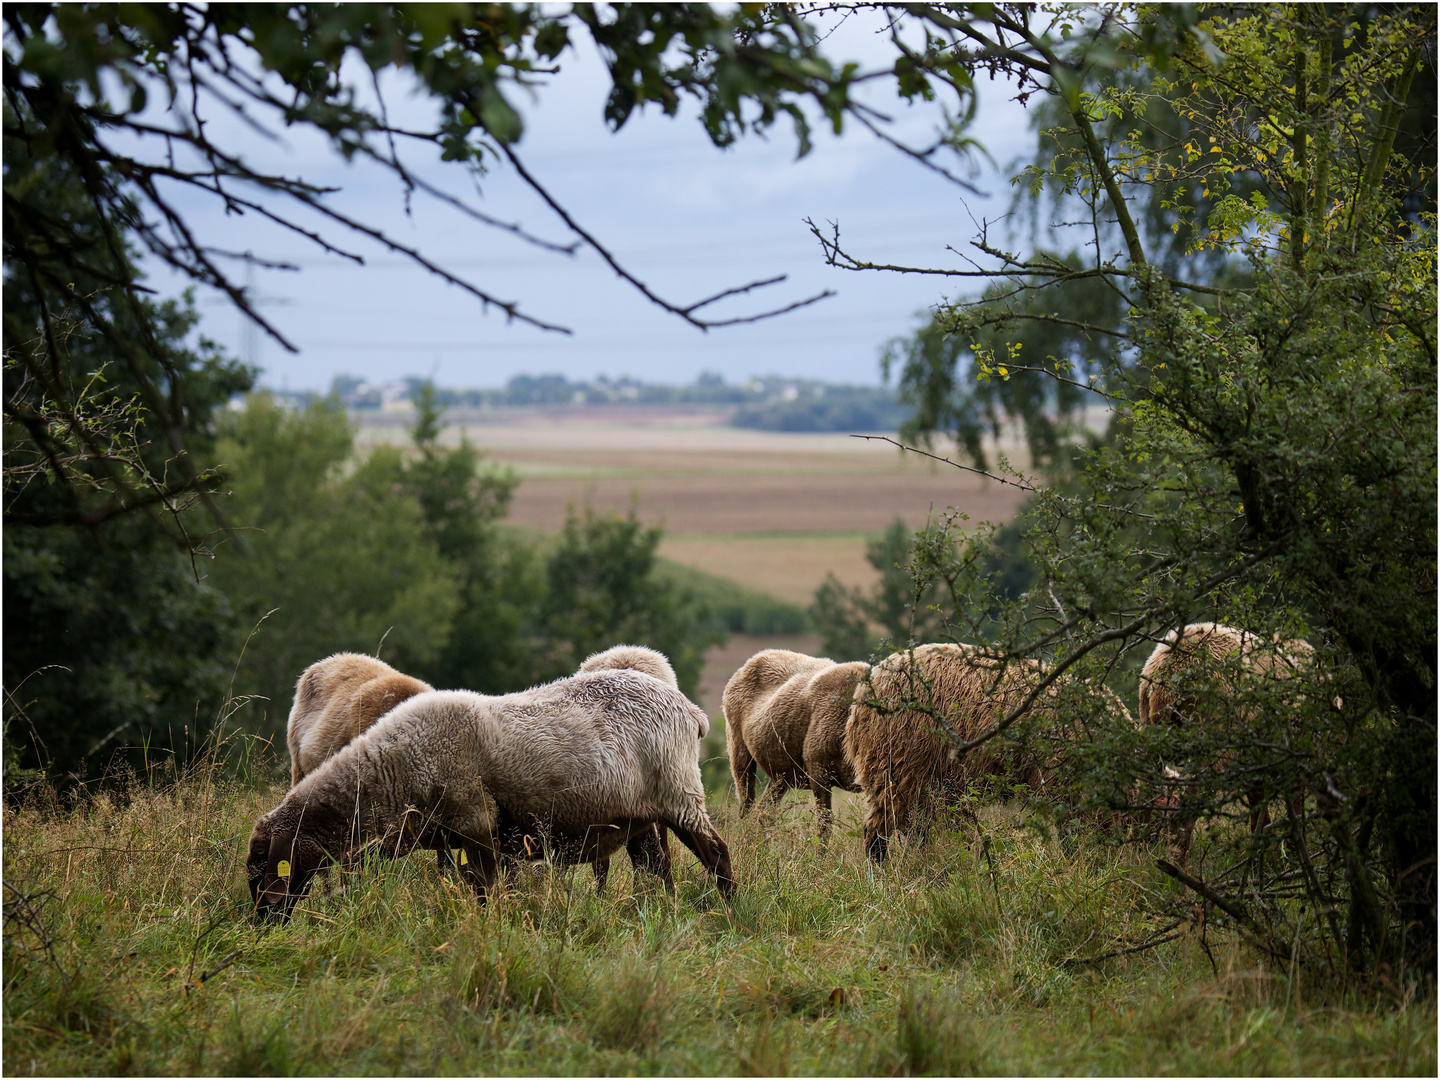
(769, 403)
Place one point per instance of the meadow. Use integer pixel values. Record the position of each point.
(130, 949)
(993, 945)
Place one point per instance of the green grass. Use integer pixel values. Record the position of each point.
(735, 609)
(947, 961)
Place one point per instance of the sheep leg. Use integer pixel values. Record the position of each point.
(710, 849)
(773, 794)
(821, 787)
(478, 867)
(742, 766)
(650, 851)
(1182, 826)
(602, 874)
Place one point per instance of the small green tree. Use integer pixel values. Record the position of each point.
(111, 638)
(492, 646)
(602, 589)
(332, 561)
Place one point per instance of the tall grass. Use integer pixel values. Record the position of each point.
(129, 948)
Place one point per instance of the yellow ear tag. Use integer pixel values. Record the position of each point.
(464, 859)
(284, 868)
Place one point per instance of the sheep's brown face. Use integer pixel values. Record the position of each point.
(287, 864)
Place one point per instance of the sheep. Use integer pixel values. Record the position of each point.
(635, 657)
(650, 850)
(578, 765)
(336, 699)
(339, 697)
(785, 712)
(747, 692)
(1182, 657)
(898, 750)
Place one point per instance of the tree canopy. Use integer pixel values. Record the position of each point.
(1266, 342)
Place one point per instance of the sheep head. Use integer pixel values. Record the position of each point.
(279, 865)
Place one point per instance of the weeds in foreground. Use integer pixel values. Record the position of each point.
(129, 948)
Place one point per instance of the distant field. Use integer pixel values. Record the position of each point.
(786, 567)
(775, 512)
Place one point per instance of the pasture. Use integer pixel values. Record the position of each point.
(130, 949)
(992, 945)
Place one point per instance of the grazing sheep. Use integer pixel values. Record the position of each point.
(649, 851)
(336, 699)
(1183, 657)
(785, 712)
(339, 697)
(746, 694)
(898, 750)
(634, 657)
(577, 766)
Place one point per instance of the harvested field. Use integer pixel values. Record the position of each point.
(773, 511)
(787, 567)
(707, 504)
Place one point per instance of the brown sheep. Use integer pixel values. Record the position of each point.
(785, 712)
(577, 765)
(899, 753)
(1165, 698)
(336, 699)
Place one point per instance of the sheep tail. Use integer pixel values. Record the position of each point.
(702, 722)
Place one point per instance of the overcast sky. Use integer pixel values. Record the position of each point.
(688, 219)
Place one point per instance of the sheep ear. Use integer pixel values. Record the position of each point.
(256, 865)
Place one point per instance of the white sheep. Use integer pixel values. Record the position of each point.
(1174, 690)
(785, 712)
(336, 699)
(575, 767)
(649, 851)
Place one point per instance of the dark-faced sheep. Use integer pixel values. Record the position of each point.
(785, 712)
(336, 699)
(896, 736)
(578, 765)
(1190, 681)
